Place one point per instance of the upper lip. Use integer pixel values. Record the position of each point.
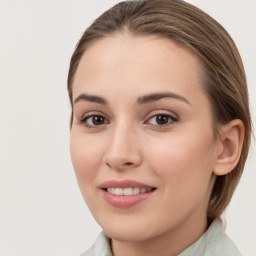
(123, 184)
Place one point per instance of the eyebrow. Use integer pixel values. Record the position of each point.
(90, 98)
(141, 100)
(161, 95)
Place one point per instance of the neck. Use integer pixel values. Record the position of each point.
(171, 243)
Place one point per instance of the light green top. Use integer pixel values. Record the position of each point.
(214, 242)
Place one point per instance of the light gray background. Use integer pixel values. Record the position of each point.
(41, 209)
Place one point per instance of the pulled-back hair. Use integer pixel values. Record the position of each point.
(224, 80)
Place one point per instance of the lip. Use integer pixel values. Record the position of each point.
(124, 201)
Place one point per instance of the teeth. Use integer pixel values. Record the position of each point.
(119, 192)
(143, 190)
(137, 191)
(127, 191)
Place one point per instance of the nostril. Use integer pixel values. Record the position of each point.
(128, 164)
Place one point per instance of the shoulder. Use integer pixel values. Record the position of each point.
(101, 247)
(213, 242)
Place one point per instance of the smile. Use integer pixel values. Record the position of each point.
(125, 193)
(128, 191)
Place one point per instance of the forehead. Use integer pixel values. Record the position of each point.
(137, 62)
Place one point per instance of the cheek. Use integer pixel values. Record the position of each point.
(85, 156)
(183, 162)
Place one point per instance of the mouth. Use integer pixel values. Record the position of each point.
(128, 191)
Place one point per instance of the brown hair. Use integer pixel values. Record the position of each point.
(224, 78)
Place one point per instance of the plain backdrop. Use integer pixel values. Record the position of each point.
(41, 209)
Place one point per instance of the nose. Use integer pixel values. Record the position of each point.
(123, 151)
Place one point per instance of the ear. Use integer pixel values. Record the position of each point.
(231, 140)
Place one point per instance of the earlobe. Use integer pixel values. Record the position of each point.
(231, 138)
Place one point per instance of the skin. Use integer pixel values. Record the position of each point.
(177, 158)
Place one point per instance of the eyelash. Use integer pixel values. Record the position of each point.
(84, 120)
(170, 119)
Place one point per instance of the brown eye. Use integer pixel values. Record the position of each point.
(98, 120)
(162, 119)
(94, 120)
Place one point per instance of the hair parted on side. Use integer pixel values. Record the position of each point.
(224, 80)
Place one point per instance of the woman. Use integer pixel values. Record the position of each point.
(160, 128)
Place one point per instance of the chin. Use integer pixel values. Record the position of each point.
(127, 235)
(126, 230)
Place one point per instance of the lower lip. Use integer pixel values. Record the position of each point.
(125, 201)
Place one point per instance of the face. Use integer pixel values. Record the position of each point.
(142, 143)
